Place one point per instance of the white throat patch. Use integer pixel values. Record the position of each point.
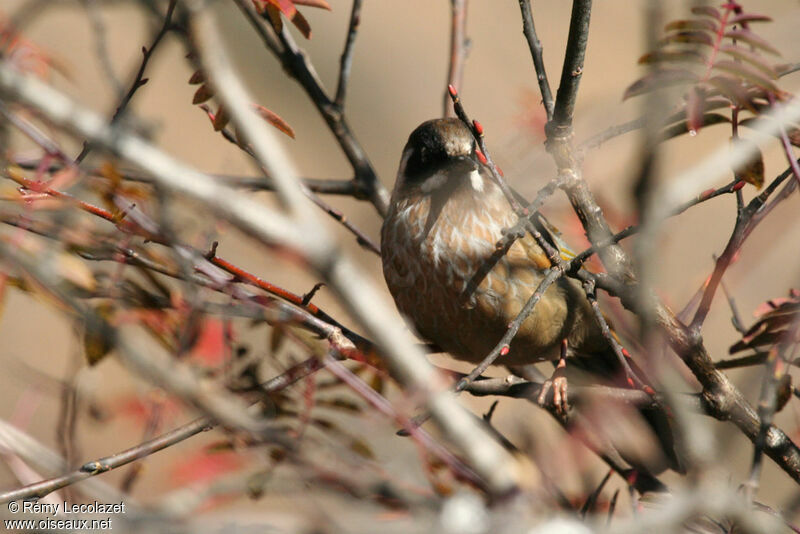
(476, 180)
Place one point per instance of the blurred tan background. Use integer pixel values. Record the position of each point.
(398, 80)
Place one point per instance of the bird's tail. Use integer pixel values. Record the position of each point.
(618, 421)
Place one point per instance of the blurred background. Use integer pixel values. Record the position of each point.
(398, 80)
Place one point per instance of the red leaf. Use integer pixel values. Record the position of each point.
(197, 77)
(706, 11)
(314, 3)
(698, 37)
(275, 120)
(202, 94)
(285, 6)
(301, 24)
(209, 346)
(694, 24)
(221, 119)
(746, 72)
(694, 109)
(683, 127)
(673, 56)
(659, 79)
(751, 171)
(142, 408)
(274, 15)
(733, 90)
(753, 58)
(751, 39)
(749, 17)
(205, 465)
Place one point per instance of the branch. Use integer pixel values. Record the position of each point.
(535, 47)
(573, 66)
(297, 64)
(459, 47)
(484, 455)
(38, 490)
(139, 80)
(347, 55)
(349, 188)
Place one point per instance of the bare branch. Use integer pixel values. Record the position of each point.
(459, 48)
(535, 47)
(347, 55)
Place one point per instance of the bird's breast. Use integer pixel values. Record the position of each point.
(442, 267)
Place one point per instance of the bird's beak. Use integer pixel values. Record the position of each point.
(464, 164)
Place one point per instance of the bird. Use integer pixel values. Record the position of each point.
(438, 250)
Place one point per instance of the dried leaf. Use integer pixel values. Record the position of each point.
(683, 127)
(749, 17)
(746, 72)
(794, 136)
(360, 447)
(753, 58)
(197, 77)
(275, 120)
(221, 119)
(277, 337)
(202, 94)
(301, 24)
(751, 39)
(734, 90)
(751, 171)
(783, 392)
(314, 3)
(75, 271)
(709, 104)
(97, 341)
(707, 11)
(692, 24)
(774, 319)
(274, 15)
(658, 80)
(673, 56)
(697, 37)
(694, 109)
(285, 6)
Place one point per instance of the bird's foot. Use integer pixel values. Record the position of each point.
(558, 383)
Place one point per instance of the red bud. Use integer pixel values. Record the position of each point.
(648, 390)
(452, 91)
(707, 193)
(481, 157)
(625, 352)
(739, 185)
(504, 350)
(478, 127)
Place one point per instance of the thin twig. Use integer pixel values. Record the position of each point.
(139, 80)
(349, 188)
(459, 47)
(477, 131)
(297, 64)
(346, 60)
(102, 465)
(535, 47)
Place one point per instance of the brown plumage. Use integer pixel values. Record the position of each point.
(443, 225)
(445, 219)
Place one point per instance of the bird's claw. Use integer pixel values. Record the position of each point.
(558, 383)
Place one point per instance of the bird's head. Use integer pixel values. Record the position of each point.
(439, 153)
